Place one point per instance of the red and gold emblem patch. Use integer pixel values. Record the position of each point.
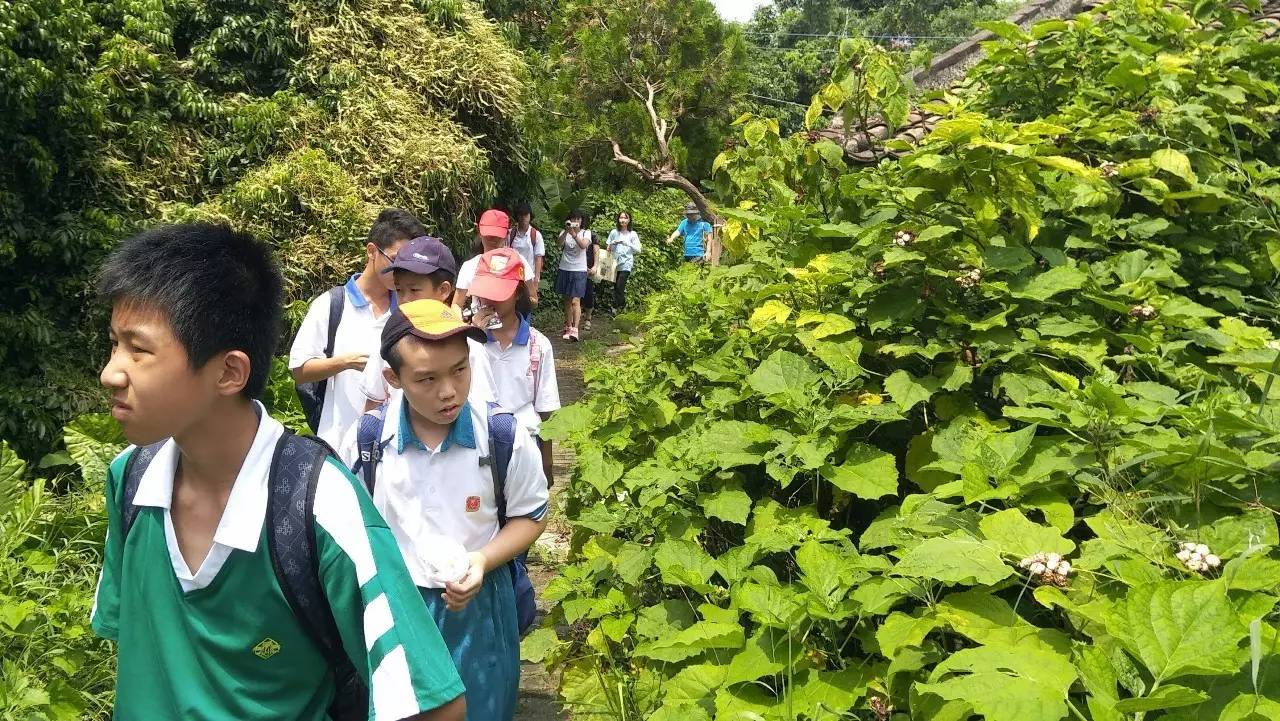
(473, 504)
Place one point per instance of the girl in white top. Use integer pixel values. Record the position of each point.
(524, 367)
(623, 244)
(571, 279)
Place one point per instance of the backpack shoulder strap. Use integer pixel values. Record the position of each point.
(134, 469)
(370, 445)
(291, 541)
(502, 441)
(336, 304)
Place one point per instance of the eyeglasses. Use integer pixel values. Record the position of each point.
(383, 253)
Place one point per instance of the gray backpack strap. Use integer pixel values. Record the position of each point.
(502, 441)
(134, 469)
(291, 540)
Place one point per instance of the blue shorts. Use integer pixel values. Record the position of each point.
(571, 283)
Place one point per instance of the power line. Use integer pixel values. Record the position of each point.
(776, 100)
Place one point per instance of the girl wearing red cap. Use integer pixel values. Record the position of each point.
(524, 367)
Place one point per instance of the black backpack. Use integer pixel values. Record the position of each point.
(311, 395)
(291, 541)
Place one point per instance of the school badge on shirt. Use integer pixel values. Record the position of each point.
(266, 648)
(473, 504)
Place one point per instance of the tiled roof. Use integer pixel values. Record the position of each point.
(866, 146)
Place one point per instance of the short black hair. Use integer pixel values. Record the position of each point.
(523, 208)
(581, 215)
(437, 276)
(395, 224)
(219, 289)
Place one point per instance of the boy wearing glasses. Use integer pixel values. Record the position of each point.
(340, 327)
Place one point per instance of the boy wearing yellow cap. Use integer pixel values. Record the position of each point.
(461, 501)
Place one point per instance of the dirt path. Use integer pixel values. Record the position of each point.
(537, 688)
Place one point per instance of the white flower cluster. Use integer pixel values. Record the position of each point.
(1142, 312)
(903, 238)
(1109, 169)
(969, 279)
(1048, 568)
(1196, 557)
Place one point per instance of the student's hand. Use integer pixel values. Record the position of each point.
(482, 316)
(457, 595)
(353, 361)
(533, 292)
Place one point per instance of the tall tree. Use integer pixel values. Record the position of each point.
(652, 82)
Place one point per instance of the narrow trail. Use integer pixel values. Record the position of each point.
(537, 688)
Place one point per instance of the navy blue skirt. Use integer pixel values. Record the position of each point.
(571, 283)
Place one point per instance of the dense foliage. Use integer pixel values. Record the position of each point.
(794, 43)
(838, 478)
(656, 77)
(296, 121)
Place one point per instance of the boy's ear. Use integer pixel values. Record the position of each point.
(392, 379)
(444, 292)
(234, 375)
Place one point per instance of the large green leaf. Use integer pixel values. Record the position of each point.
(12, 474)
(700, 637)
(1013, 534)
(907, 391)
(94, 441)
(1179, 628)
(956, 558)
(1057, 280)
(1170, 696)
(867, 472)
(785, 376)
(1005, 683)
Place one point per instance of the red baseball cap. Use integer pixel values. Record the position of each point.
(494, 222)
(497, 275)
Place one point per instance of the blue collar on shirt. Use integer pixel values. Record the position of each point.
(462, 432)
(522, 333)
(357, 298)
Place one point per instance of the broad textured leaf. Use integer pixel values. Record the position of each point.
(934, 232)
(899, 630)
(94, 441)
(1170, 696)
(1251, 707)
(957, 558)
(684, 563)
(828, 694)
(567, 421)
(732, 505)
(698, 638)
(1174, 162)
(1045, 285)
(767, 652)
(12, 474)
(539, 644)
(1179, 628)
(907, 391)
(990, 620)
(867, 472)
(1013, 534)
(1006, 683)
(784, 375)
(772, 312)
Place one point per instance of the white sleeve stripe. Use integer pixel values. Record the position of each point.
(337, 510)
(377, 620)
(392, 687)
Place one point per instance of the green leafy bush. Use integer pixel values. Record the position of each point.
(51, 535)
(839, 476)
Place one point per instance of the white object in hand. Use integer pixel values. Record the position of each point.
(443, 558)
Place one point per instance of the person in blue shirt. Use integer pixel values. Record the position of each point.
(695, 232)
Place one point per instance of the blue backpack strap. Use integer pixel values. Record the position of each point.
(291, 541)
(370, 445)
(134, 469)
(502, 441)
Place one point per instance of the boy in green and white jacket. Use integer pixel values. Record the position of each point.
(190, 588)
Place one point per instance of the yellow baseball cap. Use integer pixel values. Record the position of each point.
(428, 320)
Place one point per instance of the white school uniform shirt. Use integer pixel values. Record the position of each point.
(373, 384)
(358, 331)
(525, 385)
(423, 492)
(573, 257)
(529, 245)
